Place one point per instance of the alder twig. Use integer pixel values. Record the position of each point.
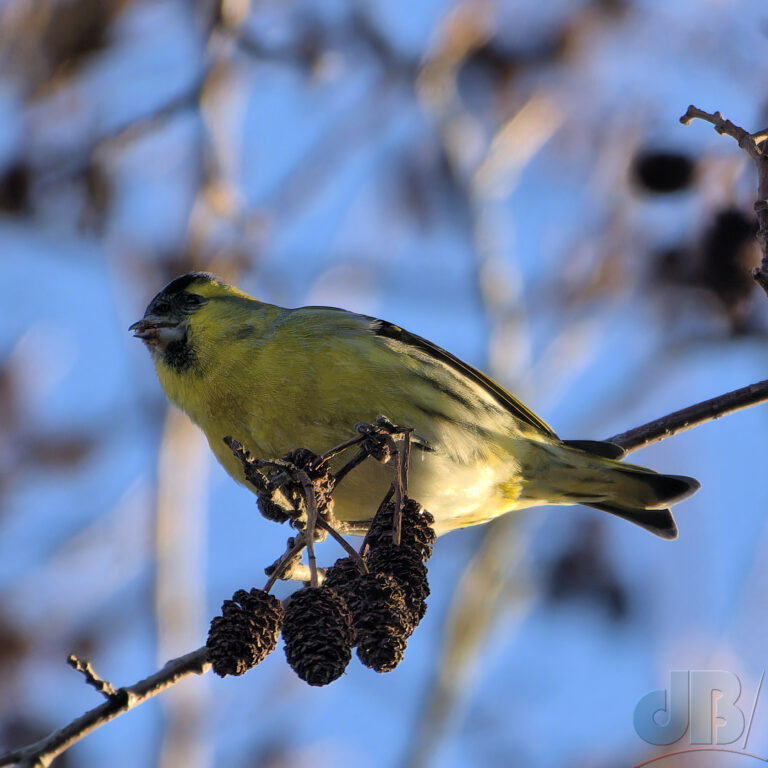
(358, 458)
(756, 146)
(401, 478)
(348, 548)
(42, 753)
(687, 418)
(336, 450)
(381, 435)
(104, 687)
(309, 494)
(284, 567)
(397, 485)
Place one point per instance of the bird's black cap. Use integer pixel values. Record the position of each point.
(183, 282)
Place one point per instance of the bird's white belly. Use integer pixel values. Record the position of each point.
(456, 494)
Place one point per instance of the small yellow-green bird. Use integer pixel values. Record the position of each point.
(278, 379)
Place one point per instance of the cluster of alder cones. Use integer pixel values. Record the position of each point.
(372, 602)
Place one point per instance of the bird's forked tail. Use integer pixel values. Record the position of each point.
(634, 493)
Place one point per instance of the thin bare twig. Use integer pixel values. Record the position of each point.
(309, 494)
(358, 458)
(278, 569)
(348, 548)
(104, 687)
(337, 449)
(756, 146)
(397, 483)
(687, 418)
(41, 753)
(401, 483)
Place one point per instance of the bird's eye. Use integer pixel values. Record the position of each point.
(194, 300)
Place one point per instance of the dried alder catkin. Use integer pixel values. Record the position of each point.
(318, 635)
(416, 533)
(404, 562)
(246, 632)
(380, 617)
(343, 577)
(410, 572)
(382, 621)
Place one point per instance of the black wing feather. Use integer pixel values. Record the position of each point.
(598, 447)
(514, 406)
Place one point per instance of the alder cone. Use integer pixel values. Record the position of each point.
(246, 632)
(382, 621)
(410, 572)
(416, 532)
(343, 577)
(318, 634)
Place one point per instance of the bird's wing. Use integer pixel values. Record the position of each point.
(504, 398)
(392, 332)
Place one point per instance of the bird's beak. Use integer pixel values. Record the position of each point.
(150, 327)
(143, 328)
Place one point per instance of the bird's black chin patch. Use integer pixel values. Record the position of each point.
(168, 343)
(179, 355)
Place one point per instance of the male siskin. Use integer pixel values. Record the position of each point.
(278, 379)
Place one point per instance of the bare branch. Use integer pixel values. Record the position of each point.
(724, 127)
(286, 565)
(41, 753)
(687, 418)
(755, 145)
(348, 548)
(312, 515)
(104, 687)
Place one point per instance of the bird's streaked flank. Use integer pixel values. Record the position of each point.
(277, 379)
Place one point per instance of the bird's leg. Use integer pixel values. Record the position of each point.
(267, 476)
(377, 439)
(305, 469)
(374, 443)
(250, 467)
